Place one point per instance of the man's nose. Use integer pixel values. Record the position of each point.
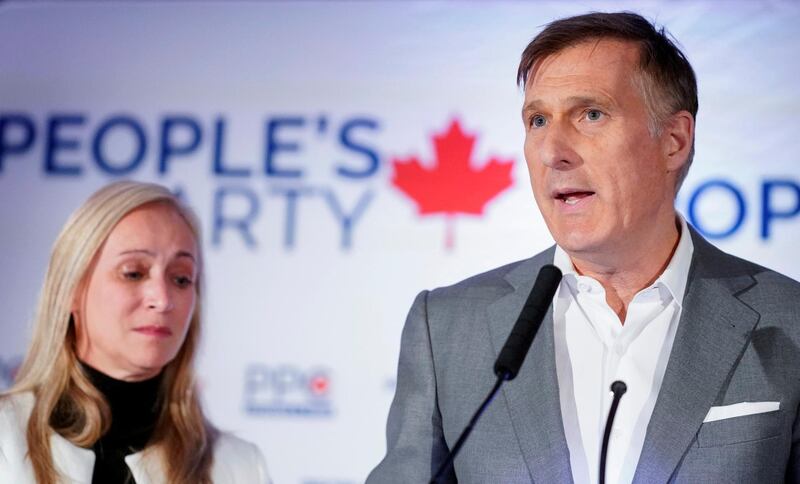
(158, 295)
(556, 147)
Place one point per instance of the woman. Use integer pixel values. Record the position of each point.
(107, 391)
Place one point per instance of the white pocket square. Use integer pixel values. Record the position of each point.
(740, 410)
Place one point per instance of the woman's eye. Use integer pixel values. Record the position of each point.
(537, 121)
(183, 281)
(594, 115)
(133, 275)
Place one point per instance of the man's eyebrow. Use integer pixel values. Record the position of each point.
(532, 105)
(581, 100)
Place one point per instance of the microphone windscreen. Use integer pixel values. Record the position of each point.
(530, 318)
(619, 387)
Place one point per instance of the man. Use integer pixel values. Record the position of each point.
(708, 344)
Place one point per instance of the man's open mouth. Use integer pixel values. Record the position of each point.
(571, 197)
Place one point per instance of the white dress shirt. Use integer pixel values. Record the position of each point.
(593, 349)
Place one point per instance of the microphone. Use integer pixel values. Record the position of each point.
(619, 388)
(513, 353)
(530, 318)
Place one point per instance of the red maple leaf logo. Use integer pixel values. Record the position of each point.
(452, 185)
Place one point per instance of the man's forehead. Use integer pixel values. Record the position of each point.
(595, 54)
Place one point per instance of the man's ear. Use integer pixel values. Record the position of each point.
(678, 137)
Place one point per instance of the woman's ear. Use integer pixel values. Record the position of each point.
(75, 305)
(77, 301)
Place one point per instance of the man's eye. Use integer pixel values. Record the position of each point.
(183, 281)
(594, 115)
(537, 121)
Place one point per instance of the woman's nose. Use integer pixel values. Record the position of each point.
(158, 295)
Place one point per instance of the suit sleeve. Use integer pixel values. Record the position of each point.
(793, 469)
(414, 439)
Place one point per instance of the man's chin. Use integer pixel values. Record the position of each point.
(576, 239)
(583, 244)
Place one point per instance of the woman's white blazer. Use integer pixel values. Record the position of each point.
(235, 461)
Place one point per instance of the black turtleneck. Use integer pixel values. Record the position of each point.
(134, 411)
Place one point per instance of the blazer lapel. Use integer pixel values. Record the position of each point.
(532, 397)
(75, 463)
(714, 328)
(145, 466)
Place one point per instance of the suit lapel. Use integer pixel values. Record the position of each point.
(714, 328)
(532, 397)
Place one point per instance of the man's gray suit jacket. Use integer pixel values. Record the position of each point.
(738, 340)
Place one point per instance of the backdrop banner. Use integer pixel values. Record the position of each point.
(343, 156)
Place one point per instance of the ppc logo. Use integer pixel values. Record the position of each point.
(287, 390)
(452, 185)
(8, 371)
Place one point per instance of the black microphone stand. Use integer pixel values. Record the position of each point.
(619, 388)
(468, 429)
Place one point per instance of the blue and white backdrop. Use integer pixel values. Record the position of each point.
(342, 157)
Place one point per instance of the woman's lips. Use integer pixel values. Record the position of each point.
(161, 331)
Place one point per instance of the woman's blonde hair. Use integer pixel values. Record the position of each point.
(51, 369)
